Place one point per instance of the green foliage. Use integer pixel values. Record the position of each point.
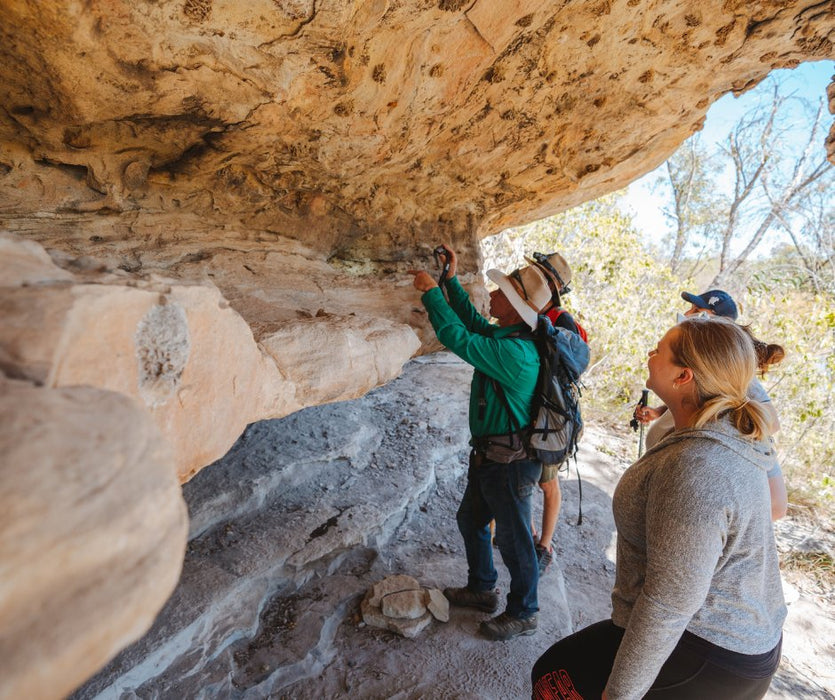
(802, 387)
(626, 297)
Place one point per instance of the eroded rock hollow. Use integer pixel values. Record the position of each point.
(209, 206)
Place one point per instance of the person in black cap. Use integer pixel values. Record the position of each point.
(714, 302)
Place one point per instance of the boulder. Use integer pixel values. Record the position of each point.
(93, 533)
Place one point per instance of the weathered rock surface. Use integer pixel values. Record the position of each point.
(302, 637)
(92, 533)
(303, 153)
(365, 128)
(188, 358)
(295, 525)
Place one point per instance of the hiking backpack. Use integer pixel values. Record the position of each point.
(556, 420)
(554, 314)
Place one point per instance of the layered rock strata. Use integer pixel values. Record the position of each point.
(179, 349)
(116, 388)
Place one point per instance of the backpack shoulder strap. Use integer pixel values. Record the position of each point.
(559, 311)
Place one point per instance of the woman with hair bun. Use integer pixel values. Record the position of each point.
(697, 607)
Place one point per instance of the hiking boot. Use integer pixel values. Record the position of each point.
(505, 626)
(488, 601)
(544, 557)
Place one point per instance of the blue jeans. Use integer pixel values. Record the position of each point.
(501, 492)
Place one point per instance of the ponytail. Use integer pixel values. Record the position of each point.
(768, 354)
(748, 416)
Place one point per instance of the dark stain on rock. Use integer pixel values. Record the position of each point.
(602, 8)
(525, 21)
(197, 10)
(436, 71)
(343, 109)
(723, 32)
(599, 102)
(451, 5)
(324, 527)
(692, 20)
(337, 54)
(753, 27)
(334, 79)
(594, 40)
(483, 112)
(646, 76)
(494, 74)
(379, 73)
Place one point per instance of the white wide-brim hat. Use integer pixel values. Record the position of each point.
(528, 293)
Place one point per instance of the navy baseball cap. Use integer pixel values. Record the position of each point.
(719, 302)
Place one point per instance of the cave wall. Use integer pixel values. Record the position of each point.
(208, 209)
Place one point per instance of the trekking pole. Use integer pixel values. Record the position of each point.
(635, 424)
(441, 252)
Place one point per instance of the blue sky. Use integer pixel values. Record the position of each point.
(809, 81)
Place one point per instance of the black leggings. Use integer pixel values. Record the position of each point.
(578, 667)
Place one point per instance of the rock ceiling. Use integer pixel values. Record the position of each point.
(364, 129)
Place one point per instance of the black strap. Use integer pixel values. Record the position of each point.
(511, 424)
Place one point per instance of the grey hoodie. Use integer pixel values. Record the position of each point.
(695, 551)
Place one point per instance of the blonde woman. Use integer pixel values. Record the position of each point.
(697, 607)
(716, 303)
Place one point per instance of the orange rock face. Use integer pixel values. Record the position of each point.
(361, 128)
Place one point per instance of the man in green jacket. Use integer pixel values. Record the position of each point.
(501, 478)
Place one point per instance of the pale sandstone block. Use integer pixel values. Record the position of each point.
(406, 605)
(92, 533)
(438, 604)
(392, 584)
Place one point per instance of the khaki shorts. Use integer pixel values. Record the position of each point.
(549, 472)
